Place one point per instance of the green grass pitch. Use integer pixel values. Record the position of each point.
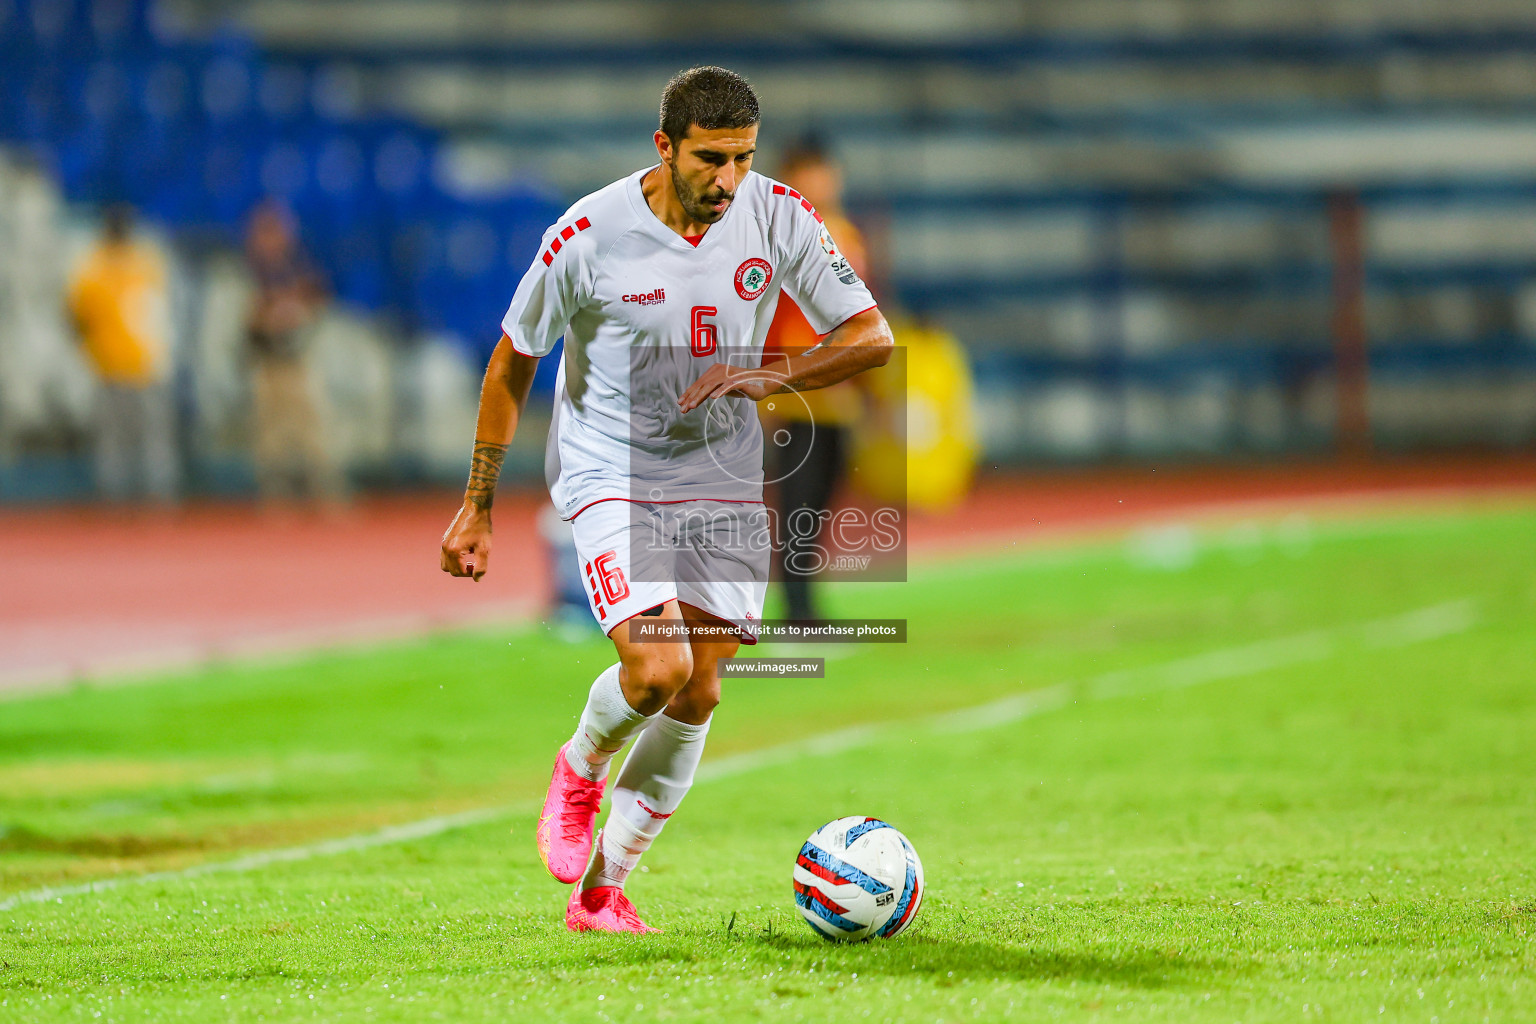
(1283, 771)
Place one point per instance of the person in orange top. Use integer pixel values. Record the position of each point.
(118, 303)
(290, 412)
(809, 434)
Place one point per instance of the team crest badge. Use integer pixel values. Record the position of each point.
(752, 278)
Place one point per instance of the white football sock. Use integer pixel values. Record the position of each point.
(607, 723)
(650, 787)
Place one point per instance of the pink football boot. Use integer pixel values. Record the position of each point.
(564, 834)
(603, 908)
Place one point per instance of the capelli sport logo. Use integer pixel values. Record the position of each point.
(654, 298)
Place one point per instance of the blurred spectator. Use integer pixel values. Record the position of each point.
(919, 446)
(809, 434)
(290, 444)
(117, 300)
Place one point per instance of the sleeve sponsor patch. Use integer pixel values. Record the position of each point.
(840, 264)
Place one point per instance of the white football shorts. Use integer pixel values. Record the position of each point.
(713, 555)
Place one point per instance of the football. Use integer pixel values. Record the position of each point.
(858, 878)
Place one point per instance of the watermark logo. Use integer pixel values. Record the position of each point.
(738, 491)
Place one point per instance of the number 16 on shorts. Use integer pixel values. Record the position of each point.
(607, 581)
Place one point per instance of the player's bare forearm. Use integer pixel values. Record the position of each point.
(484, 471)
(861, 343)
(503, 395)
(466, 549)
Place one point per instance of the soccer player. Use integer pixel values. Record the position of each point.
(663, 285)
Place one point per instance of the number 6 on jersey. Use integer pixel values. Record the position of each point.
(702, 335)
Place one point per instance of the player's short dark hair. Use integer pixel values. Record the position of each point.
(709, 97)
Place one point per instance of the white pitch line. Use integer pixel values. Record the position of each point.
(734, 764)
(1413, 627)
(820, 744)
(1009, 709)
(1214, 666)
(1425, 624)
(1418, 626)
(252, 862)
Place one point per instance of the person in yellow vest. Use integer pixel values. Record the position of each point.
(118, 303)
(919, 445)
(808, 436)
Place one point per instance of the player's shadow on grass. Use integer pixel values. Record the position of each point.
(948, 962)
(944, 962)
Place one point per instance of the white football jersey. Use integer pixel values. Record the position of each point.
(644, 312)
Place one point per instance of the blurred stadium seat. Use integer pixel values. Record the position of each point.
(1122, 210)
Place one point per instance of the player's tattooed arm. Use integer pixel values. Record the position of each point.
(466, 548)
(484, 471)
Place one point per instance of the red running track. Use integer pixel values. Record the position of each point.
(94, 593)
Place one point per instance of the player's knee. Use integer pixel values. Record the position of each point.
(697, 700)
(656, 674)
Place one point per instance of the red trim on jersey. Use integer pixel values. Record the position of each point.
(741, 634)
(693, 240)
(565, 235)
(805, 204)
(637, 614)
(678, 501)
(508, 339)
